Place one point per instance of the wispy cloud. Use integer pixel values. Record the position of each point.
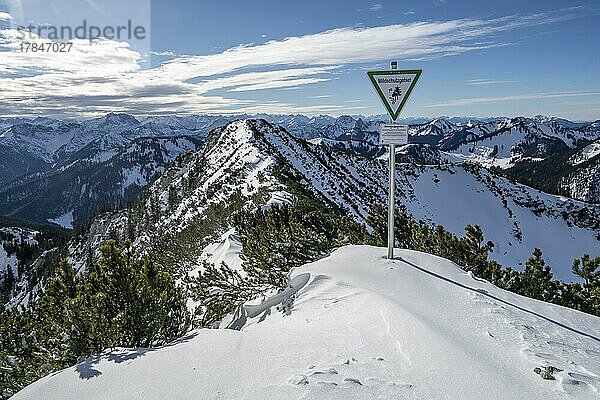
(265, 80)
(321, 96)
(6, 20)
(107, 76)
(4, 16)
(524, 96)
(279, 84)
(479, 82)
(376, 7)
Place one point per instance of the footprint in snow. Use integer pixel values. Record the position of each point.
(353, 380)
(590, 380)
(298, 380)
(574, 380)
(319, 376)
(303, 379)
(330, 371)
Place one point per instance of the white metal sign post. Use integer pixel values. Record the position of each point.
(393, 87)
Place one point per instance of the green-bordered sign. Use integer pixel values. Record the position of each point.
(394, 87)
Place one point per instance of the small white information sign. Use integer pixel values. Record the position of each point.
(393, 134)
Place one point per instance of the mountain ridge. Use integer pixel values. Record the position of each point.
(238, 160)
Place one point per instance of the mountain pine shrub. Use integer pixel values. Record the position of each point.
(121, 302)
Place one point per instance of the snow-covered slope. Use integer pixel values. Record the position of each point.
(587, 153)
(38, 145)
(357, 326)
(228, 250)
(515, 217)
(98, 174)
(505, 142)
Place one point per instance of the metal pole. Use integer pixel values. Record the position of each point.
(392, 190)
(391, 204)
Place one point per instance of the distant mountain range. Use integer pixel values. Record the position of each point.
(61, 171)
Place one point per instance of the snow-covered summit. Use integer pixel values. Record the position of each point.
(354, 326)
(113, 123)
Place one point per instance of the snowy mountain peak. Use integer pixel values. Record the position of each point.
(442, 123)
(346, 122)
(437, 127)
(113, 123)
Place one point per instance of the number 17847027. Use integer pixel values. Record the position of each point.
(44, 47)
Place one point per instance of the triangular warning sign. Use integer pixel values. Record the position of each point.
(394, 87)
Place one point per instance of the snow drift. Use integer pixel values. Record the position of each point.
(356, 325)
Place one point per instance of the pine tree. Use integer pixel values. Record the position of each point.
(474, 251)
(142, 305)
(422, 238)
(536, 280)
(287, 236)
(572, 296)
(159, 313)
(378, 221)
(52, 312)
(7, 285)
(219, 291)
(589, 269)
(172, 197)
(23, 356)
(444, 243)
(120, 301)
(509, 279)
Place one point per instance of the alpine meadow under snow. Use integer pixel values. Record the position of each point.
(355, 325)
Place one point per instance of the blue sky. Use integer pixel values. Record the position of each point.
(479, 58)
